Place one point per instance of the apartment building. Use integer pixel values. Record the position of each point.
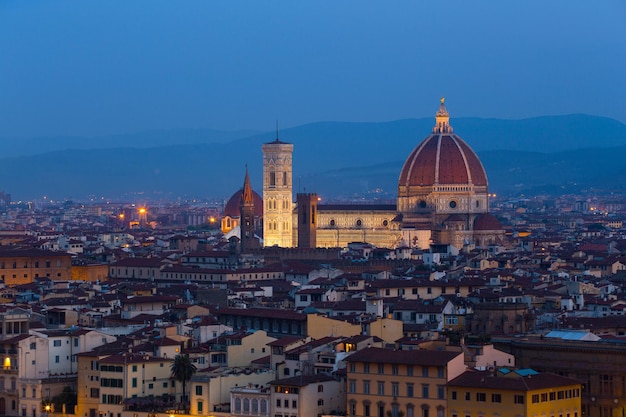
(412, 383)
(518, 393)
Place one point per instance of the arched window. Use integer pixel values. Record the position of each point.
(246, 405)
(255, 405)
(320, 388)
(238, 405)
(263, 406)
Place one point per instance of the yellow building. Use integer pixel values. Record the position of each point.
(395, 383)
(513, 394)
(90, 272)
(22, 266)
(388, 330)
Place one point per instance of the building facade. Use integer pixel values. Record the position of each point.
(513, 394)
(412, 383)
(277, 194)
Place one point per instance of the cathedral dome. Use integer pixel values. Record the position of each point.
(232, 206)
(487, 221)
(443, 158)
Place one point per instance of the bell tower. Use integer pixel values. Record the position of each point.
(277, 194)
(248, 240)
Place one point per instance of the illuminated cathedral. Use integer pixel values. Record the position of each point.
(443, 198)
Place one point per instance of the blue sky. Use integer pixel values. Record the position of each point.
(103, 67)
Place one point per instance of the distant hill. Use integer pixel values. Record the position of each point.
(147, 139)
(335, 159)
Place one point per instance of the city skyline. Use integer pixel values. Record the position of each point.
(88, 69)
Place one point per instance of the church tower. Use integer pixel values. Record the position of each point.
(277, 194)
(307, 220)
(248, 240)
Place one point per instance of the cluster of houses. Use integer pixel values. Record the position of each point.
(98, 310)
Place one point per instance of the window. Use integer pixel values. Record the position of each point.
(425, 371)
(467, 396)
(425, 389)
(278, 402)
(366, 387)
(134, 368)
(496, 398)
(481, 397)
(57, 359)
(441, 392)
(366, 368)
(394, 369)
(200, 407)
(352, 367)
(57, 343)
(150, 386)
(552, 396)
(518, 399)
(134, 383)
(320, 388)
(381, 388)
(320, 402)
(381, 368)
(409, 370)
(198, 389)
(544, 397)
(535, 398)
(395, 389)
(409, 390)
(33, 346)
(75, 342)
(352, 385)
(294, 404)
(440, 372)
(453, 395)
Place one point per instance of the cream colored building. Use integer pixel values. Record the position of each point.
(243, 348)
(209, 390)
(277, 194)
(308, 396)
(129, 377)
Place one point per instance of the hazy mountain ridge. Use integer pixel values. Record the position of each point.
(332, 159)
(146, 139)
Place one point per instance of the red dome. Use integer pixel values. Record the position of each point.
(487, 221)
(233, 204)
(442, 158)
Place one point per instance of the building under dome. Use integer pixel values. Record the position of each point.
(231, 215)
(443, 187)
(443, 198)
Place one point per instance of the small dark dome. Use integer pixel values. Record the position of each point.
(487, 221)
(233, 204)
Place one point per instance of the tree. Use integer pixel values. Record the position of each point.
(182, 370)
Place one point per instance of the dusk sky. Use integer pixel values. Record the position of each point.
(102, 67)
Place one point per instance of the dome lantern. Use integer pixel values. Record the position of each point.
(442, 119)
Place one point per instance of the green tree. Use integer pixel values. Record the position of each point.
(68, 398)
(182, 370)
